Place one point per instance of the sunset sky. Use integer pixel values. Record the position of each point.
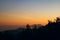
(22, 12)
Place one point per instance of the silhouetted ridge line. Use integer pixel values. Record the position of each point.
(49, 32)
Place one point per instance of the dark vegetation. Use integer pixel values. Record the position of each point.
(51, 31)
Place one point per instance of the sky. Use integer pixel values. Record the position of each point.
(22, 12)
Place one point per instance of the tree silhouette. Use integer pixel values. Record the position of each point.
(49, 22)
(57, 19)
(28, 26)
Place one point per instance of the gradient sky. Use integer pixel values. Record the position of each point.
(21, 12)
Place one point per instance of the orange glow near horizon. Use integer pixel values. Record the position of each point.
(22, 22)
(12, 18)
(23, 19)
